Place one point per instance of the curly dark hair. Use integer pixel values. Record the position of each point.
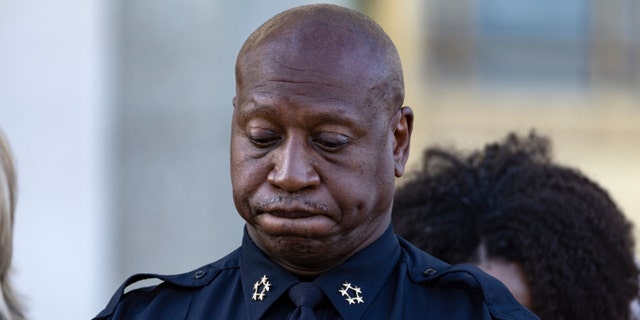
(575, 246)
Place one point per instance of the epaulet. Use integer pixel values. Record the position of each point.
(427, 269)
(421, 265)
(193, 279)
(499, 301)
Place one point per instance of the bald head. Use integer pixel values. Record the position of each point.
(327, 38)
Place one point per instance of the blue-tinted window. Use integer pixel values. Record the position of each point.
(541, 43)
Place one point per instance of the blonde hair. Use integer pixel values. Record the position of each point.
(11, 307)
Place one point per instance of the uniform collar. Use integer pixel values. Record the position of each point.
(254, 267)
(367, 270)
(351, 287)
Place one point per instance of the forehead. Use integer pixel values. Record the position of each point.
(324, 84)
(318, 48)
(303, 111)
(288, 63)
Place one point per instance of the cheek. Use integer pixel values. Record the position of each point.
(246, 173)
(366, 188)
(244, 162)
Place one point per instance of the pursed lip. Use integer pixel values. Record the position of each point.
(289, 207)
(290, 213)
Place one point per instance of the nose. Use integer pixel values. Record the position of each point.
(293, 166)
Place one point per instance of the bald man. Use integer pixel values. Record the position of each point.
(319, 135)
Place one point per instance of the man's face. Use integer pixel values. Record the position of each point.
(312, 159)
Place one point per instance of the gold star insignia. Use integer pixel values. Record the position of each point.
(260, 288)
(345, 292)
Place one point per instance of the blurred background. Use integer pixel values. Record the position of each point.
(118, 113)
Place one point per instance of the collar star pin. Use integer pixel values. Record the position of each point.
(260, 288)
(346, 291)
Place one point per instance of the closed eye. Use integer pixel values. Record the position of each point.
(331, 141)
(263, 138)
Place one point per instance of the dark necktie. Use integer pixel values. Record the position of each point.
(305, 295)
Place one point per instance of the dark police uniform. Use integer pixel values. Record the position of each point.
(390, 279)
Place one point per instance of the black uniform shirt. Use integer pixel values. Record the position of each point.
(390, 279)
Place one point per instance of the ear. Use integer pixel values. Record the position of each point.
(402, 139)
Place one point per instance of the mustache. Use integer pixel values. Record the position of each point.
(288, 202)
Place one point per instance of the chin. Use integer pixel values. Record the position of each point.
(303, 251)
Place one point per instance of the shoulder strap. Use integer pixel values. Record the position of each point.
(193, 279)
(425, 268)
(499, 301)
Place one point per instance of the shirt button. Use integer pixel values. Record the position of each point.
(429, 272)
(199, 274)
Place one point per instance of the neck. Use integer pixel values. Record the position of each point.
(297, 256)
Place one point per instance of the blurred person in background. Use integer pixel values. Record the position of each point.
(553, 236)
(10, 306)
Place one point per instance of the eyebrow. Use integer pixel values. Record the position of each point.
(334, 116)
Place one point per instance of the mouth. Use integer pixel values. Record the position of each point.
(290, 213)
(299, 220)
(288, 208)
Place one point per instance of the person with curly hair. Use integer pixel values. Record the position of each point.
(553, 236)
(10, 306)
